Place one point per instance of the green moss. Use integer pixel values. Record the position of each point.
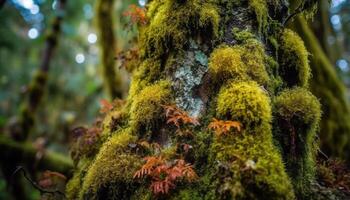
(257, 61)
(73, 187)
(226, 63)
(149, 71)
(298, 115)
(260, 9)
(146, 108)
(171, 24)
(242, 36)
(245, 102)
(113, 169)
(298, 102)
(249, 167)
(240, 62)
(293, 58)
(187, 194)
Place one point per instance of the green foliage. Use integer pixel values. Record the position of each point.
(327, 86)
(226, 63)
(149, 71)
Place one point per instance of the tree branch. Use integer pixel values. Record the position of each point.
(25, 154)
(35, 185)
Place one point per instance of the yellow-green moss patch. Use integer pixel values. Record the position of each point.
(146, 108)
(293, 58)
(245, 102)
(260, 9)
(226, 63)
(240, 62)
(112, 165)
(250, 167)
(298, 102)
(172, 22)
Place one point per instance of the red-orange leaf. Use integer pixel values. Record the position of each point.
(222, 127)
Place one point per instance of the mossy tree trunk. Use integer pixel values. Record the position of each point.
(230, 60)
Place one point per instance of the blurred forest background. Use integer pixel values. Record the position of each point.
(75, 86)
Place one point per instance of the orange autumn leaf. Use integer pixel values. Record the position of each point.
(176, 116)
(221, 127)
(136, 14)
(165, 174)
(105, 106)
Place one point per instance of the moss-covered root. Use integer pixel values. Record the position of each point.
(293, 58)
(297, 119)
(111, 173)
(252, 166)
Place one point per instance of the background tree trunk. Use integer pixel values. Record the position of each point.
(107, 42)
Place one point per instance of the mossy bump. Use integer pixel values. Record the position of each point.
(245, 102)
(171, 24)
(298, 114)
(146, 108)
(293, 58)
(113, 165)
(225, 63)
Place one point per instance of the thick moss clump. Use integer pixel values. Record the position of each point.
(298, 115)
(149, 71)
(245, 102)
(240, 62)
(293, 59)
(249, 157)
(111, 173)
(146, 108)
(173, 21)
(226, 63)
(249, 167)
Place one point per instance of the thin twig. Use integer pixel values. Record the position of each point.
(297, 11)
(35, 185)
(323, 154)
